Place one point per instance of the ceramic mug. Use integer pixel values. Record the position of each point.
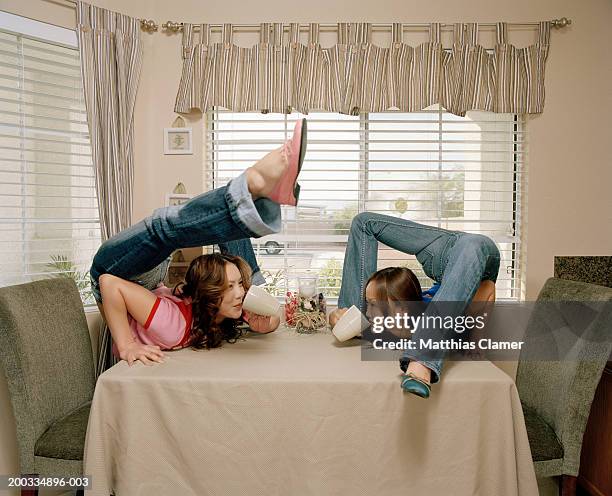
(350, 325)
(259, 301)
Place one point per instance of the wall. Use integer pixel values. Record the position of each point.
(569, 205)
(569, 173)
(569, 158)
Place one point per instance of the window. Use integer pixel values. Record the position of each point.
(49, 223)
(430, 166)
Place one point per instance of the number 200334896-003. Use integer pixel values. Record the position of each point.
(35, 481)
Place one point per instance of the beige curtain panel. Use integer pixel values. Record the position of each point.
(111, 59)
(281, 74)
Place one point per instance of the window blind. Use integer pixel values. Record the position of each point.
(432, 167)
(49, 223)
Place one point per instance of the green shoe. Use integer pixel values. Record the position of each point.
(416, 385)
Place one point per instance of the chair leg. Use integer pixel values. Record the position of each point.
(568, 485)
(29, 492)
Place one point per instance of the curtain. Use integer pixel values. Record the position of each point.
(111, 58)
(281, 74)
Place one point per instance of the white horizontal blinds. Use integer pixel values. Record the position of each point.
(457, 173)
(48, 212)
(431, 167)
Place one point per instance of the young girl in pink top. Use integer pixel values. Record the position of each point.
(201, 312)
(144, 316)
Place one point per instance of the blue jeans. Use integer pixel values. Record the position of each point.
(458, 261)
(244, 249)
(141, 253)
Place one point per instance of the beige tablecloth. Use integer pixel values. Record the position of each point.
(289, 414)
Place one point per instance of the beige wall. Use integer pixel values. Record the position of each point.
(570, 158)
(569, 173)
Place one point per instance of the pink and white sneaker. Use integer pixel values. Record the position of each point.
(287, 191)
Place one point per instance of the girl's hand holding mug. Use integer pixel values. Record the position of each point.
(259, 323)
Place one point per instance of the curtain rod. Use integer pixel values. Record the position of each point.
(148, 25)
(174, 27)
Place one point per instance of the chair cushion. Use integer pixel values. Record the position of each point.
(65, 438)
(542, 438)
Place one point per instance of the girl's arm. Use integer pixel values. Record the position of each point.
(120, 298)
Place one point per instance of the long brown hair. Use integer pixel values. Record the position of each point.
(205, 283)
(396, 284)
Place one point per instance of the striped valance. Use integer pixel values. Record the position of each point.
(281, 74)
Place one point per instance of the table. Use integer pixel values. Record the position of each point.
(292, 414)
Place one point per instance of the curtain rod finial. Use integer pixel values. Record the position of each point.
(172, 26)
(148, 25)
(561, 23)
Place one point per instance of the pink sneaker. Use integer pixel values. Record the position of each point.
(287, 191)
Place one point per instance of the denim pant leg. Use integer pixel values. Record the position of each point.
(471, 259)
(360, 259)
(224, 214)
(244, 249)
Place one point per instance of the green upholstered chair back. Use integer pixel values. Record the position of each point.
(45, 351)
(561, 392)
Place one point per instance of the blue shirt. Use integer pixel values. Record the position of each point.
(429, 294)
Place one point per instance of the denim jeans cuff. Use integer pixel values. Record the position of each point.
(246, 214)
(432, 365)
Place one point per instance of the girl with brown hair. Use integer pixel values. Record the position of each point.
(145, 317)
(201, 312)
(464, 266)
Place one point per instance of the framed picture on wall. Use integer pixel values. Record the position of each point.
(177, 141)
(173, 199)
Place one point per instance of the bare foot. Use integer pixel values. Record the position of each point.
(419, 370)
(335, 316)
(265, 174)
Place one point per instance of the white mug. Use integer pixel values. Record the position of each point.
(259, 301)
(350, 325)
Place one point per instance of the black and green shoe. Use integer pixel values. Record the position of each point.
(415, 385)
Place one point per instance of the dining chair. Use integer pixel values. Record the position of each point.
(556, 395)
(45, 352)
